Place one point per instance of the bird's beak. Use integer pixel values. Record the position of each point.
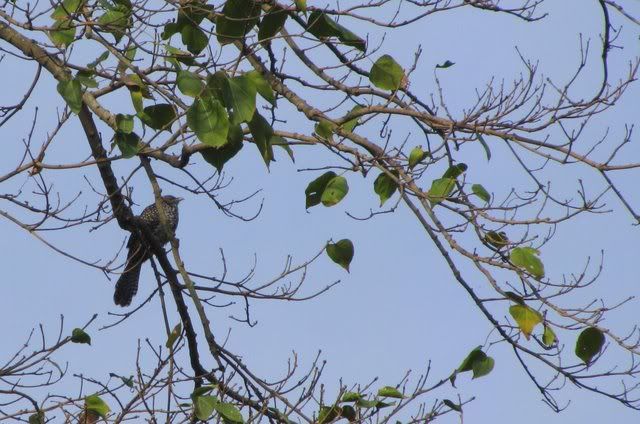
(179, 199)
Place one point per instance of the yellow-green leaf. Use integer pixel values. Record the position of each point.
(440, 189)
(71, 92)
(526, 318)
(527, 259)
(63, 33)
(387, 74)
(335, 191)
(481, 192)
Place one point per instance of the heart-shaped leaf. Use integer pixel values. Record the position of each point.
(78, 335)
(336, 189)
(341, 252)
(527, 259)
(387, 74)
(208, 119)
(589, 344)
(526, 318)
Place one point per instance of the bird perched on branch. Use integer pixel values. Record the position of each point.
(139, 252)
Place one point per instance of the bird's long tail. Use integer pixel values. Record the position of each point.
(127, 285)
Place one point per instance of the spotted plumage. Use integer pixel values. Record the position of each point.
(127, 285)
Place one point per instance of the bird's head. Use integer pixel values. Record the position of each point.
(172, 200)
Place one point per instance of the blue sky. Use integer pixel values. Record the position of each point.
(399, 307)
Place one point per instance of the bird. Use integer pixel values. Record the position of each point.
(138, 251)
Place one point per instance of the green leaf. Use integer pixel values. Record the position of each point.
(130, 53)
(221, 155)
(201, 391)
(116, 21)
(208, 119)
(63, 33)
(483, 367)
(129, 144)
(416, 156)
(95, 404)
(240, 95)
(391, 392)
(335, 191)
(549, 336)
(314, 190)
(455, 171)
(440, 189)
(328, 414)
(229, 412)
(351, 397)
(276, 140)
(125, 3)
(262, 136)
(452, 405)
(481, 192)
(37, 418)
(497, 240)
(384, 186)
(203, 406)
(271, 24)
(387, 74)
(86, 79)
(478, 362)
(66, 9)
(159, 117)
(170, 29)
(474, 355)
(78, 335)
(322, 26)
(189, 84)
(341, 252)
(124, 123)
(193, 13)
(173, 336)
(527, 259)
(216, 85)
(485, 146)
(325, 129)
(262, 86)
(589, 344)
(526, 318)
(352, 123)
(238, 17)
(71, 92)
(194, 38)
(445, 65)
